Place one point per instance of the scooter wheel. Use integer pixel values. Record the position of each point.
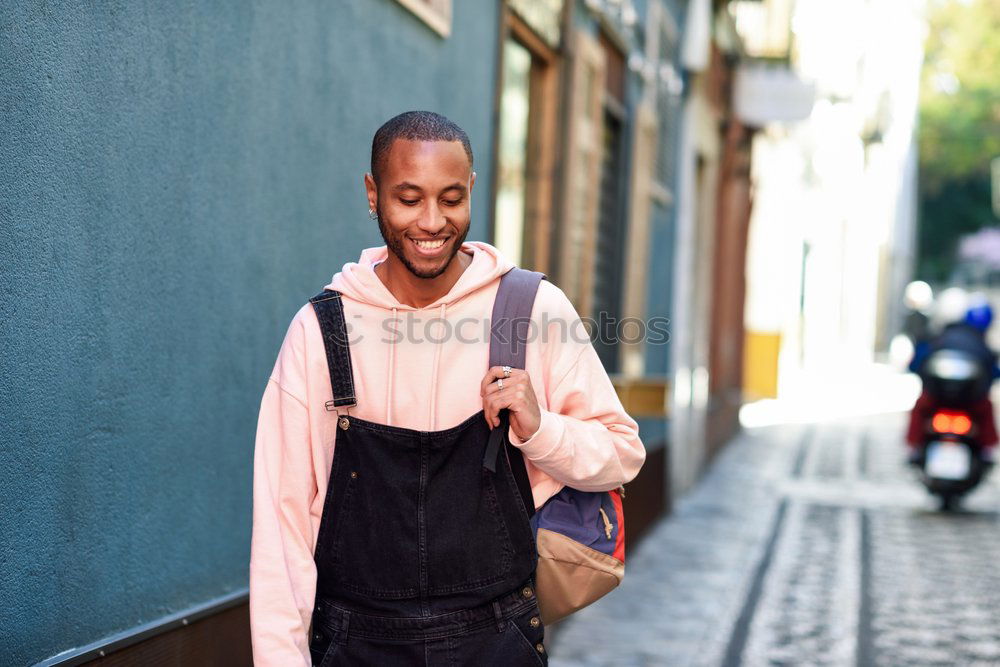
(949, 503)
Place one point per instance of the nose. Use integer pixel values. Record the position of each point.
(433, 220)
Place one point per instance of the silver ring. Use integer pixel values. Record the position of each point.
(500, 383)
(506, 371)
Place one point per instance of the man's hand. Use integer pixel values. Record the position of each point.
(517, 396)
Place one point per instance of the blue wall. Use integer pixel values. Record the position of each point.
(175, 181)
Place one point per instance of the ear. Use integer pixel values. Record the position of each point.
(371, 190)
(472, 181)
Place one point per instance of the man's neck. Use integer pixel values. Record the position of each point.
(420, 292)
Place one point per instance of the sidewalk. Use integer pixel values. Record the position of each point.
(805, 544)
(684, 585)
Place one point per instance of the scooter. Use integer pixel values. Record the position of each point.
(951, 461)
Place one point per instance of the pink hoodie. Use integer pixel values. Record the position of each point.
(426, 380)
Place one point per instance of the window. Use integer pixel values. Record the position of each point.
(512, 151)
(543, 16)
(527, 136)
(654, 155)
(608, 260)
(669, 86)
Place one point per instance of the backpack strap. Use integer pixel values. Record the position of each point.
(330, 313)
(509, 329)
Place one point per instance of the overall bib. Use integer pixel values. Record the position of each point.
(424, 556)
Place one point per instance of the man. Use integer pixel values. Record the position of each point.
(372, 525)
(967, 336)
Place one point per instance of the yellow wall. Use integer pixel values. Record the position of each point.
(760, 364)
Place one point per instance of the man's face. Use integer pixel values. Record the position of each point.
(423, 203)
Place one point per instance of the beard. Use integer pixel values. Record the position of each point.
(397, 245)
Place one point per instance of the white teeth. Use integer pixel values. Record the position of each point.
(429, 245)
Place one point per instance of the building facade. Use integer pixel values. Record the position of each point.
(177, 181)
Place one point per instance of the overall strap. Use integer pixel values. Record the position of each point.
(330, 313)
(509, 329)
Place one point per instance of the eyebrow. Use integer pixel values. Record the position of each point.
(412, 186)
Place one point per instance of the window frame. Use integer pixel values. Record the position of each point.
(542, 143)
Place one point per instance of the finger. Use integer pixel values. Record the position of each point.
(494, 403)
(491, 410)
(490, 413)
(489, 398)
(493, 373)
(511, 398)
(509, 384)
(495, 387)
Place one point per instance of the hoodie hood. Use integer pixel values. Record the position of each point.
(358, 281)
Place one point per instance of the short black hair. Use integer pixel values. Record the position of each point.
(414, 125)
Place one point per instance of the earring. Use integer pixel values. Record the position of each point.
(372, 214)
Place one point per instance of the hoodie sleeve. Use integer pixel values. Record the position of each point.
(585, 440)
(282, 570)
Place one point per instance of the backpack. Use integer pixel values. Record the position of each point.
(579, 535)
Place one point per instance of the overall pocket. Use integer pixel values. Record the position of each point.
(323, 646)
(374, 542)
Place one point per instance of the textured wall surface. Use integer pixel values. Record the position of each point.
(176, 179)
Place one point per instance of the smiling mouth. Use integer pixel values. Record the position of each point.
(430, 246)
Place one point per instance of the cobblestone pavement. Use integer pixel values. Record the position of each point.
(806, 544)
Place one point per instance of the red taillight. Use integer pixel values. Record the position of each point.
(961, 424)
(951, 422)
(941, 422)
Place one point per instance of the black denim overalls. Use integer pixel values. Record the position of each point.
(424, 556)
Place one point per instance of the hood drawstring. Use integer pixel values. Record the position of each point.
(358, 281)
(388, 385)
(434, 373)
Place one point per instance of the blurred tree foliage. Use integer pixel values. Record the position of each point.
(959, 127)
